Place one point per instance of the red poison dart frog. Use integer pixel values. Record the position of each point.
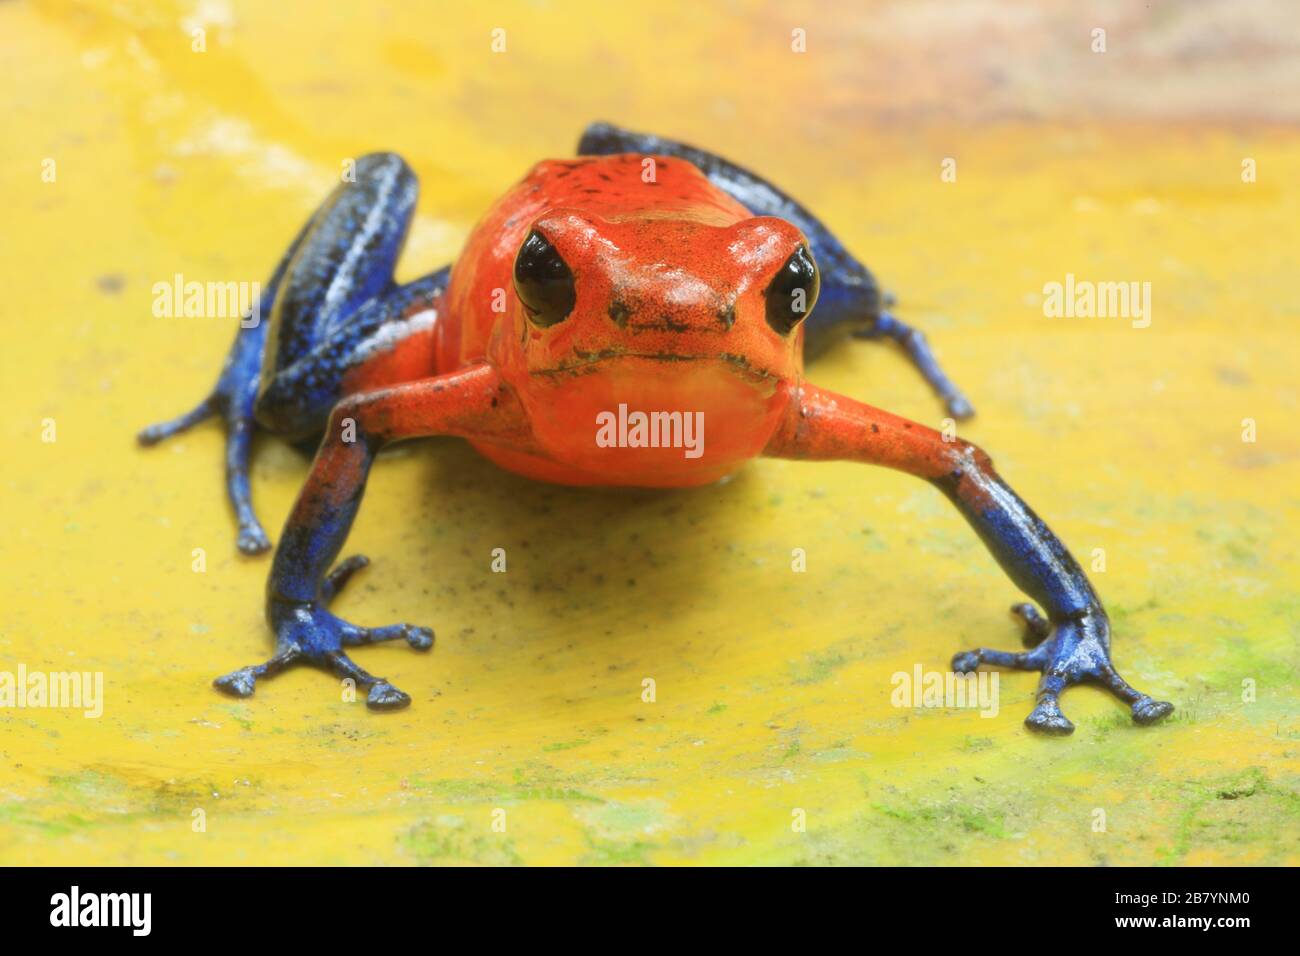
(643, 277)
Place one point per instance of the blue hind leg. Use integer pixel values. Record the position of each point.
(232, 399)
(850, 300)
(338, 270)
(914, 343)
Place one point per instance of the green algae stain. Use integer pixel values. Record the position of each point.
(452, 840)
(106, 800)
(1236, 809)
(623, 833)
(564, 745)
(524, 787)
(819, 665)
(937, 819)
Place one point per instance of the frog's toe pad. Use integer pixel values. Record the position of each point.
(253, 540)
(1149, 711)
(238, 683)
(420, 638)
(384, 696)
(1047, 718)
(960, 408)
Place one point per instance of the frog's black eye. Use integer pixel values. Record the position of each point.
(543, 281)
(793, 291)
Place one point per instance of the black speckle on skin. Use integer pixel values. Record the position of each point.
(727, 316)
(619, 313)
(875, 427)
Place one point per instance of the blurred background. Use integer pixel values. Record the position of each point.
(1104, 140)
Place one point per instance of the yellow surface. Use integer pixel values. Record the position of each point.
(773, 688)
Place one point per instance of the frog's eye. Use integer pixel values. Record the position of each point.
(793, 291)
(543, 281)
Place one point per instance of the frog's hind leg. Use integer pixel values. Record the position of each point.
(850, 299)
(340, 262)
(232, 399)
(388, 340)
(914, 343)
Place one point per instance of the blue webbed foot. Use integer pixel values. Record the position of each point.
(307, 633)
(1071, 651)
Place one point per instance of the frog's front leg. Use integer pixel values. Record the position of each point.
(1073, 644)
(471, 403)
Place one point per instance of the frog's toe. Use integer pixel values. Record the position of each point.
(420, 638)
(1148, 710)
(965, 662)
(1047, 718)
(341, 575)
(238, 683)
(242, 682)
(959, 407)
(968, 661)
(1037, 627)
(155, 433)
(380, 694)
(252, 539)
(384, 696)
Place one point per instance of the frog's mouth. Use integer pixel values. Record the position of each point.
(588, 362)
(601, 411)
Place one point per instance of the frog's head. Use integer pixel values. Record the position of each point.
(665, 314)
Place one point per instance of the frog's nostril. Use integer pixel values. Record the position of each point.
(713, 320)
(619, 313)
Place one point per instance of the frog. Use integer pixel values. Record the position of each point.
(642, 277)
